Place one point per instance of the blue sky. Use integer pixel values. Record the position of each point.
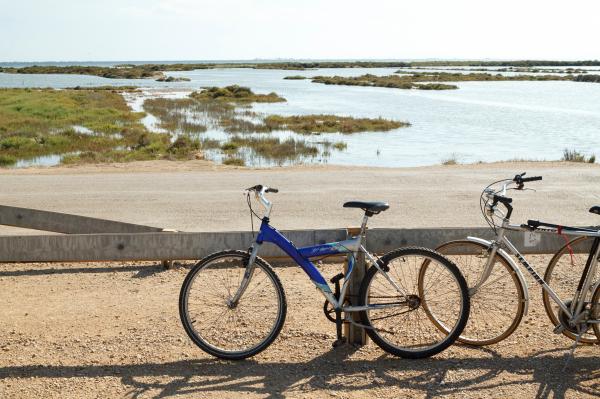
(68, 30)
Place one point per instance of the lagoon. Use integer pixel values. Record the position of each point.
(481, 121)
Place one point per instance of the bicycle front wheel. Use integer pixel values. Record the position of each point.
(498, 305)
(398, 321)
(226, 330)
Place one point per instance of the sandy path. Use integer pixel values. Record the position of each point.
(198, 196)
(100, 330)
(110, 331)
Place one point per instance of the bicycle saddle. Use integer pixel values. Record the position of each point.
(372, 208)
(595, 209)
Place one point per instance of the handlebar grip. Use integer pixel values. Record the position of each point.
(258, 187)
(534, 178)
(271, 190)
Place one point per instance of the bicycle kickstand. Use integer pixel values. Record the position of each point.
(571, 354)
(340, 340)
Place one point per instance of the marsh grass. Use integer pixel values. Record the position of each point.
(234, 161)
(117, 89)
(310, 124)
(274, 148)
(7, 160)
(229, 109)
(430, 80)
(296, 77)
(235, 94)
(147, 71)
(173, 114)
(576, 156)
(35, 123)
(451, 160)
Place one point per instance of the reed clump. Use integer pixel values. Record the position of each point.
(275, 148)
(310, 124)
(576, 156)
(235, 94)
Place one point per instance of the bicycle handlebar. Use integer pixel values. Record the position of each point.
(259, 188)
(519, 179)
(260, 192)
(499, 196)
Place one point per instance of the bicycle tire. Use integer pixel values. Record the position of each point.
(483, 306)
(217, 349)
(569, 279)
(595, 311)
(378, 334)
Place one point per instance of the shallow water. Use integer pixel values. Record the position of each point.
(481, 121)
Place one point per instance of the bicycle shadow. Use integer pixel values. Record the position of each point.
(337, 371)
(141, 271)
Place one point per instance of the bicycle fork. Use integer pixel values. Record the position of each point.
(232, 303)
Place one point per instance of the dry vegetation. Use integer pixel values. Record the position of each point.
(431, 80)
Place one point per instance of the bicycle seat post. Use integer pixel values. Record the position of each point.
(363, 225)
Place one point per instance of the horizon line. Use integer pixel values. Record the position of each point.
(241, 60)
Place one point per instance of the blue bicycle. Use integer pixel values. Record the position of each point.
(233, 306)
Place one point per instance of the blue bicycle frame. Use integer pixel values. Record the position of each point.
(301, 256)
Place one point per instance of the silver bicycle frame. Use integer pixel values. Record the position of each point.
(576, 311)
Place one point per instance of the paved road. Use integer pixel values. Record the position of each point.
(200, 197)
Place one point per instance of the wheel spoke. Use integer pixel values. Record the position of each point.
(225, 329)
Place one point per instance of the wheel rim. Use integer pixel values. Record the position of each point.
(497, 307)
(408, 327)
(595, 312)
(232, 329)
(562, 275)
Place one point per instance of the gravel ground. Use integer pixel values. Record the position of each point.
(113, 330)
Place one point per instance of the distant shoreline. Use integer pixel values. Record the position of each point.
(166, 166)
(290, 60)
(133, 70)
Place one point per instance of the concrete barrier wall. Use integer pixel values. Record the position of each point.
(65, 223)
(177, 245)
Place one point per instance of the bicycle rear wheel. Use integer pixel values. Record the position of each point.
(404, 328)
(216, 325)
(563, 275)
(497, 307)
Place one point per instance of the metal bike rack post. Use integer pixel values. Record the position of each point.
(355, 335)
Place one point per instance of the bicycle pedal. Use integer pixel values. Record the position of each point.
(338, 342)
(558, 329)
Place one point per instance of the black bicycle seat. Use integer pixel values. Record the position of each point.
(372, 208)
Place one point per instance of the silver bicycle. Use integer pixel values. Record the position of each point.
(497, 288)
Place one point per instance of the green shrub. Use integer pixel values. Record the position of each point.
(234, 161)
(7, 160)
